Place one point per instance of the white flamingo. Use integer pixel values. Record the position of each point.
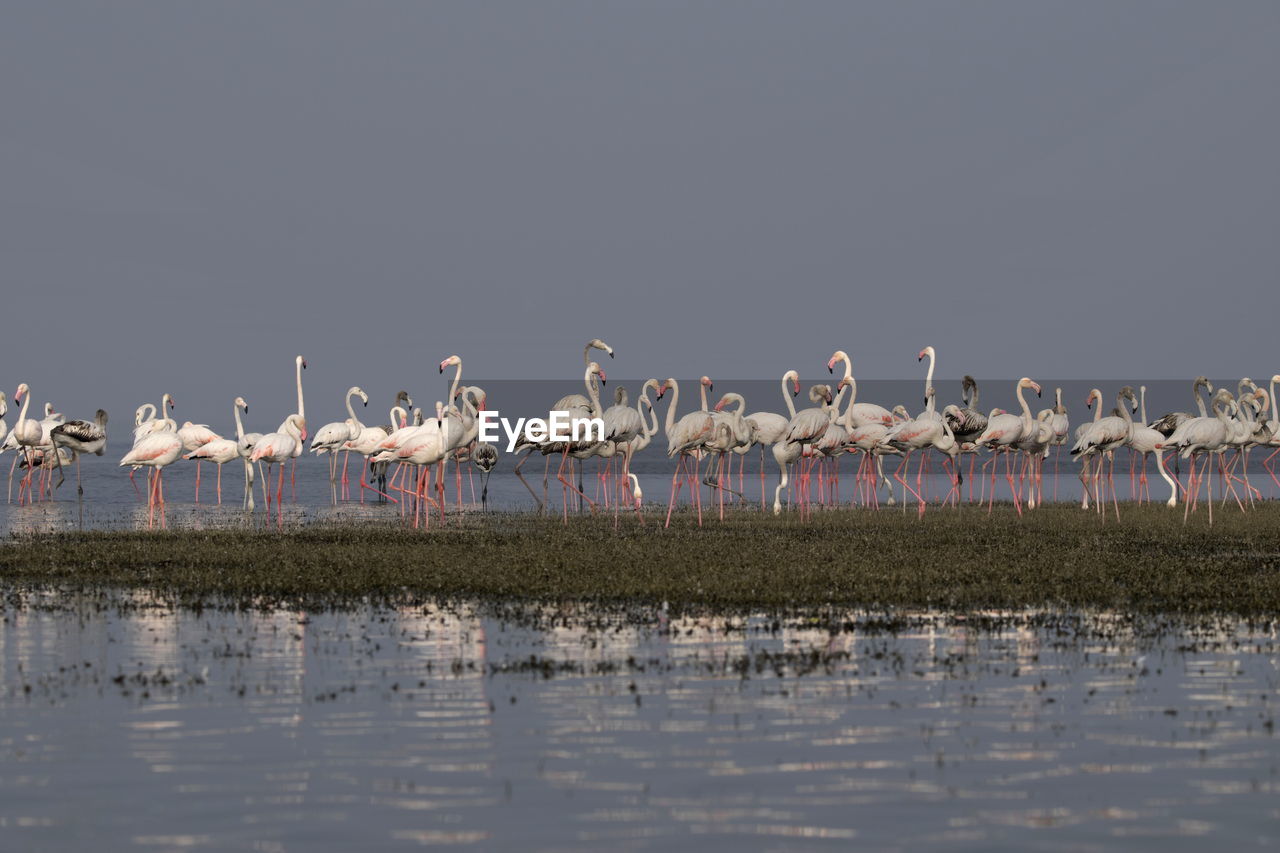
(220, 450)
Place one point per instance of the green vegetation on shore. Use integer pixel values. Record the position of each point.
(1057, 556)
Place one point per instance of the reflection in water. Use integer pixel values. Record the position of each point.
(141, 725)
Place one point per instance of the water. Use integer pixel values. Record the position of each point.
(110, 500)
(128, 724)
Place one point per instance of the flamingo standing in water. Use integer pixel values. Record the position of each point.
(1203, 436)
(684, 438)
(220, 451)
(566, 403)
(331, 438)
(1002, 434)
(26, 435)
(156, 451)
(805, 428)
(278, 448)
(80, 437)
(194, 437)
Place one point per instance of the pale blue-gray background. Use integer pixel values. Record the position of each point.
(191, 193)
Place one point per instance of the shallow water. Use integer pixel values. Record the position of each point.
(111, 501)
(125, 723)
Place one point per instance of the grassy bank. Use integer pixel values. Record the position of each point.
(1057, 556)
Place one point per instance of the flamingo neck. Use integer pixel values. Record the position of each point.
(302, 407)
(1142, 403)
(593, 391)
(1195, 389)
(457, 377)
(671, 409)
(928, 383)
(1026, 410)
(786, 397)
(1274, 415)
(22, 413)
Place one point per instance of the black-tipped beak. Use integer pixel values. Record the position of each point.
(442, 368)
(831, 369)
(610, 355)
(604, 381)
(1037, 393)
(366, 404)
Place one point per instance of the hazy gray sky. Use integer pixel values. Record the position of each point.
(191, 193)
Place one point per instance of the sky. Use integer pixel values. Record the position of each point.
(193, 193)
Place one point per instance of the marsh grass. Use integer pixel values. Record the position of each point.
(1058, 556)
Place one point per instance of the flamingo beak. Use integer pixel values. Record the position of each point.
(720, 406)
(442, 367)
(831, 366)
(603, 379)
(304, 364)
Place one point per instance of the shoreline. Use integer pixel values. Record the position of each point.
(1054, 557)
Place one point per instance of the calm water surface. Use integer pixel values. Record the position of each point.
(128, 724)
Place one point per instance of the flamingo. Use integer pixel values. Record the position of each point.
(80, 437)
(156, 451)
(1002, 433)
(734, 433)
(1203, 436)
(582, 447)
(331, 438)
(1144, 441)
(26, 436)
(277, 448)
(804, 428)
(426, 445)
(4, 427)
(684, 438)
(1101, 438)
(195, 436)
(859, 413)
(485, 457)
(220, 451)
(369, 441)
(622, 424)
(564, 404)
(649, 428)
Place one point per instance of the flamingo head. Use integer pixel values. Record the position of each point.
(450, 362)
(723, 402)
(595, 368)
(242, 404)
(926, 351)
(17, 395)
(302, 362)
(838, 355)
(706, 381)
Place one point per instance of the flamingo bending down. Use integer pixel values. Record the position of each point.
(80, 437)
(195, 436)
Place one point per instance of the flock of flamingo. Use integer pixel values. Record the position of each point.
(806, 445)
